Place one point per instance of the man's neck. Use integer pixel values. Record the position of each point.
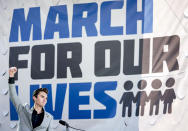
(38, 108)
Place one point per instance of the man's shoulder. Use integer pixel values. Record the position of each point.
(48, 115)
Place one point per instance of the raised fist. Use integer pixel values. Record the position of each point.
(12, 71)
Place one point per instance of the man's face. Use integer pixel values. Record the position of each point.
(41, 99)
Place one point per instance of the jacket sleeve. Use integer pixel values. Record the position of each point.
(14, 97)
(50, 125)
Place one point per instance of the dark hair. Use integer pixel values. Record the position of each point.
(37, 91)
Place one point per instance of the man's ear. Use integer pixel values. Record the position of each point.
(34, 98)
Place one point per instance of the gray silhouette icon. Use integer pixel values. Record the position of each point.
(141, 98)
(155, 96)
(169, 96)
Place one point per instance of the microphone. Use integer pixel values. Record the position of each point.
(64, 123)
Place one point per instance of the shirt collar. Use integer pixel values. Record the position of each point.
(35, 112)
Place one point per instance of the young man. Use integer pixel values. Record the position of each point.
(36, 118)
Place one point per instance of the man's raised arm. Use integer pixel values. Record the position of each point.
(12, 90)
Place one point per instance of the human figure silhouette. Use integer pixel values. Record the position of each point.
(141, 98)
(155, 96)
(127, 99)
(168, 96)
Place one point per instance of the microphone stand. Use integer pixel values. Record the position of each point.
(75, 128)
